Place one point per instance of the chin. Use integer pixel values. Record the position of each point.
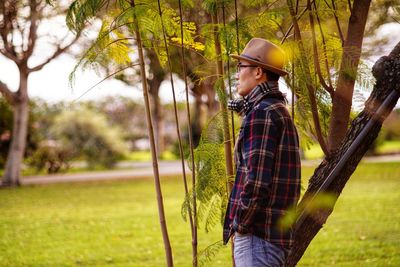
(243, 93)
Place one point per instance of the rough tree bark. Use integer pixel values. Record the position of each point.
(387, 72)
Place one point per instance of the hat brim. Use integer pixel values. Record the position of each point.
(261, 64)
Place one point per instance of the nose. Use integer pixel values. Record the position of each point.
(237, 75)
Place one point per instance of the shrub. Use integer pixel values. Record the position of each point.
(51, 156)
(88, 136)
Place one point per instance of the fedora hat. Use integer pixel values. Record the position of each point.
(264, 54)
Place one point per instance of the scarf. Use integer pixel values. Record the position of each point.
(266, 89)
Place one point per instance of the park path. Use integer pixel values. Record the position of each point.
(137, 170)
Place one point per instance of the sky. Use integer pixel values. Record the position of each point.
(52, 83)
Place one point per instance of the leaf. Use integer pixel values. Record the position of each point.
(209, 252)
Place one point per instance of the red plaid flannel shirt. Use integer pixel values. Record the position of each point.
(267, 182)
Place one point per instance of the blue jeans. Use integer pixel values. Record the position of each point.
(252, 251)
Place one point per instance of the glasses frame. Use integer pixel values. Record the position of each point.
(239, 66)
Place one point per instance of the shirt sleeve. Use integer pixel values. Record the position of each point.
(261, 133)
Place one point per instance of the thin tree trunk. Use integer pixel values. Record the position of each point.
(227, 137)
(19, 133)
(387, 73)
(192, 214)
(163, 224)
(220, 73)
(342, 100)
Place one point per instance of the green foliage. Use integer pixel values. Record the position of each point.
(210, 6)
(88, 135)
(208, 254)
(212, 181)
(81, 11)
(114, 46)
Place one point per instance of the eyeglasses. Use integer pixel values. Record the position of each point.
(240, 66)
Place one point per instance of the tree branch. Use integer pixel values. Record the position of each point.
(336, 20)
(58, 52)
(6, 92)
(291, 26)
(10, 56)
(315, 48)
(325, 53)
(350, 7)
(34, 16)
(6, 29)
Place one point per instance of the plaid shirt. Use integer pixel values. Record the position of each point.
(267, 182)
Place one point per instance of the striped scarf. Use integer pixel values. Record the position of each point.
(266, 89)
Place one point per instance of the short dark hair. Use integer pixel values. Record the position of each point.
(271, 76)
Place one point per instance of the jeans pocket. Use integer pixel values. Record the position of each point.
(274, 254)
(267, 254)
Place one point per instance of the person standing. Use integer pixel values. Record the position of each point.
(267, 182)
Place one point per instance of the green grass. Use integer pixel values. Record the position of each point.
(387, 147)
(116, 224)
(314, 152)
(146, 156)
(392, 146)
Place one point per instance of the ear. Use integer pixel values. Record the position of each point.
(259, 73)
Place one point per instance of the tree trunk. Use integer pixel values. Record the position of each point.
(342, 100)
(157, 78)
(387, 72)
(197, 124)
(209, 91)
(19, 134)
(223, 97)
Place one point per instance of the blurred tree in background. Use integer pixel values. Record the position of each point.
(34, 130)
(21, 32)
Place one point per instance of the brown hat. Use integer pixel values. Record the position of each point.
(264, 54)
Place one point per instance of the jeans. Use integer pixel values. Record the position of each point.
(252, 251)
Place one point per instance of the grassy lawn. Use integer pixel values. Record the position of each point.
(392, 146)
(387, 147)
(116, 224)
(146, 156)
